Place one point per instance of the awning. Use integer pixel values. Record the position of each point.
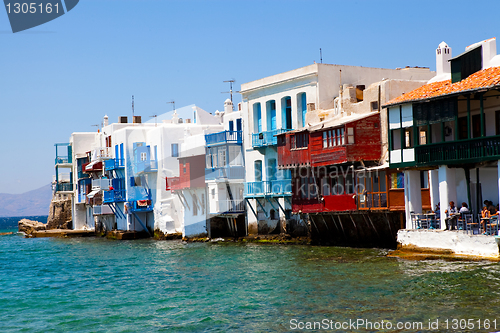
(90, 166)
(93, 193)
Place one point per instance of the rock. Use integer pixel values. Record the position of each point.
(28, 226)
(60, 214)
(6, 233)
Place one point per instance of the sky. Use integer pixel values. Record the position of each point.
(65, 75)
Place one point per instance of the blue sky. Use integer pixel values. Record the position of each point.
(63, 76)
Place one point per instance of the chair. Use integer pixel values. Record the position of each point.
(461, 223)
(492, 226)
(470, 225)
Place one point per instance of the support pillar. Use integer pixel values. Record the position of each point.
(447, 190)
(434, 187)
(498, 176)
(413, 196)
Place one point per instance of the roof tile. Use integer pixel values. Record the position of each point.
(485, 78)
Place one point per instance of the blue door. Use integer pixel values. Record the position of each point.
(238, 124)
(231, 126)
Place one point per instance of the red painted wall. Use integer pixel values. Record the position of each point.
(192, 171)
(291, 158)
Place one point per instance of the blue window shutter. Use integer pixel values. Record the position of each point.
(231, 126)
(304, 108)
(238, 124)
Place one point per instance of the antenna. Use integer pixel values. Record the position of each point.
(320, 55)
(132, 107)
(172, 102)
(97, 127)
(155, 115)
(230, 89)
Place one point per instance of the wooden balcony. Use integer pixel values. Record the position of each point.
(457, 152)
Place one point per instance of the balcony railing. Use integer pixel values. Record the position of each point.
(114, 196)
(63, 153)
(268, 188)
(102, 184)
(64, 187)
(140, 206)
(114, 164)
(267, 138)
(146, 166)
(224, 137)
(473, 150)
(230, 206)
(231, 172)
(102, 210)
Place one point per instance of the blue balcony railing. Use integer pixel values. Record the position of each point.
(268, 188)
(114, 196)
(267, 138)
(146, 166)
(231, 172)
(64, 187)
(140, 206)
(63, 153)
(114, 164)
(224, 137)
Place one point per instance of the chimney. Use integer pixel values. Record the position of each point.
(122, 119)
(105, 121)
(228, 106)
(443, 55)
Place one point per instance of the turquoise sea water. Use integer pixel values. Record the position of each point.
(100, 285)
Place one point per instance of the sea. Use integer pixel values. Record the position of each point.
(102, 285)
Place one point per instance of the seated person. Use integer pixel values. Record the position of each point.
(451, 216)
(491, 208)
(464, 208)
(485, 215)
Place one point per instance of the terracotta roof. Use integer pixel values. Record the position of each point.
(485, 78)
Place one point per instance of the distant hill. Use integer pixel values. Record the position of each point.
(31, 203)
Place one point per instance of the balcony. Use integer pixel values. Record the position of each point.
(223, 137)
(114, 164)
(101, 183)
(146, 166)
(467, 151)
(102, 210)
(64, 187)
(267, 138)
(114, 196)
(232, 172)
(63, 153)
(229, 207)
(281, 187)
(140, 206)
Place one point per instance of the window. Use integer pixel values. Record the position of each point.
(350, 135)
(271, 115)
(325, 140)
(258, 171)
(300, 140)
(423, 137)
(235, 156)
(396, 139)
(342, 137)
(213, 193)
(208, 158)
(286, 110)
(222, 157)
(374, 105)
(409, 137)
(175, 149)
(143, 156)
(257, 118)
